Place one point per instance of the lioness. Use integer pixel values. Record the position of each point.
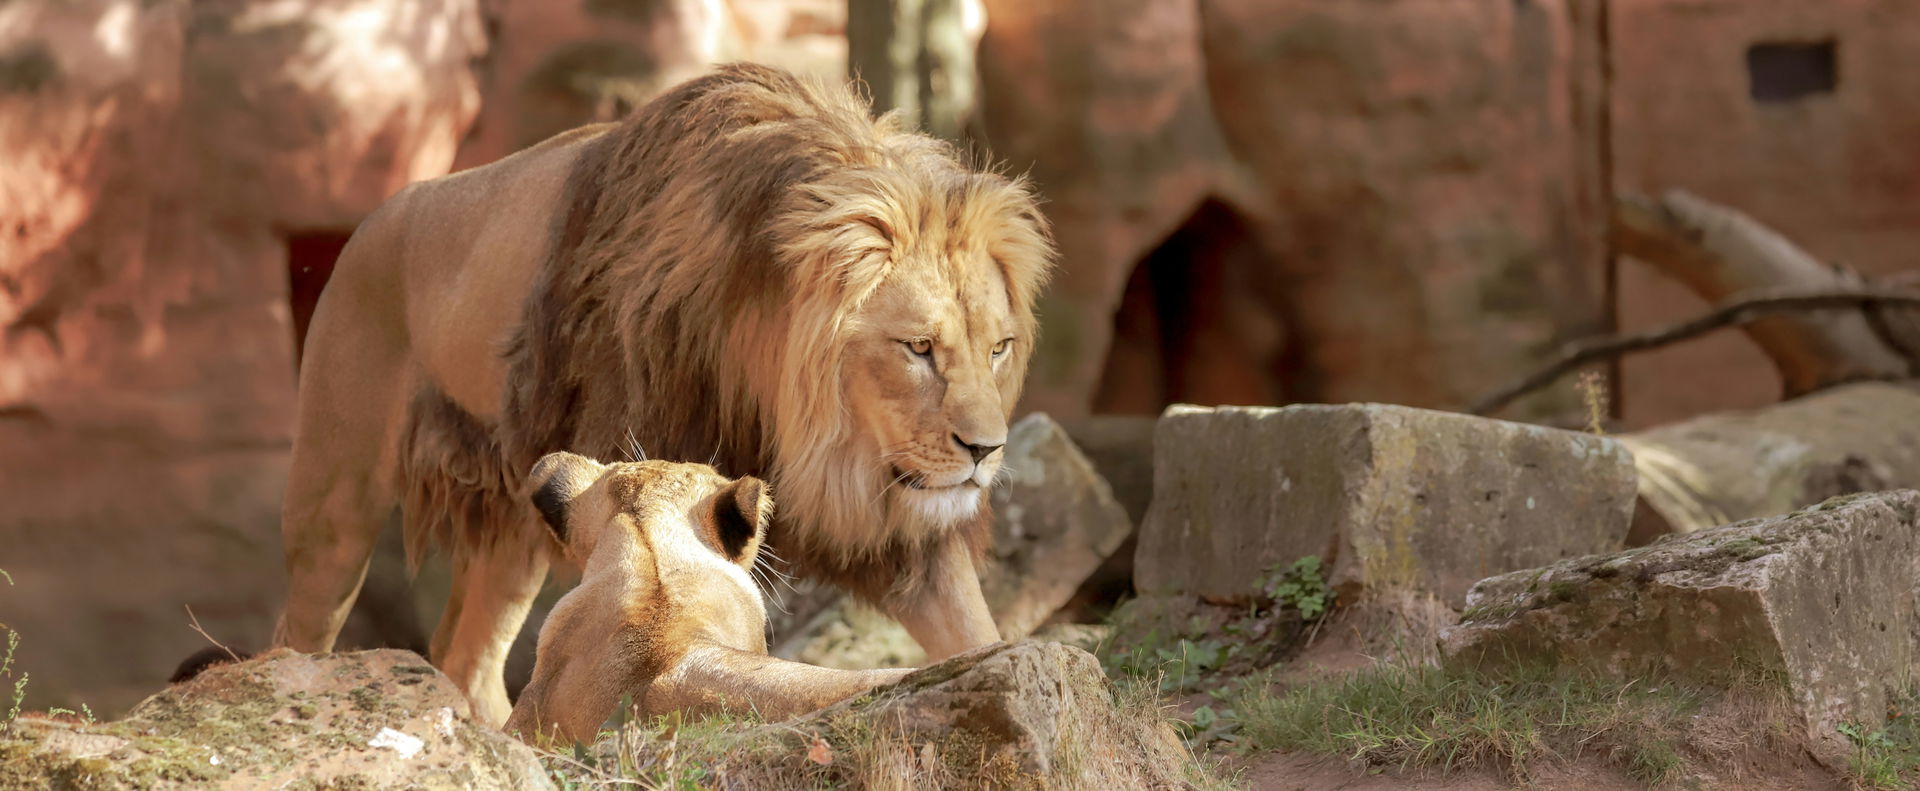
(749, 269)
(665, 610)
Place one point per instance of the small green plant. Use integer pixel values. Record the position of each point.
(6, 668)
(1178, 664)
(85, 715)
(1301, 586)
(1886, 757)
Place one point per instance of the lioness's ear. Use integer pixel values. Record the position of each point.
(741, 510)
(556, 479)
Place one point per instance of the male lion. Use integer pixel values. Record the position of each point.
(665, 610)
(748, 269)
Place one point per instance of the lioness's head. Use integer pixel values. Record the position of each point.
(914, 281)
(687, 537)
(664, 612)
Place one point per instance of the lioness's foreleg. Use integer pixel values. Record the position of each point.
(495, 587)
(946, 613)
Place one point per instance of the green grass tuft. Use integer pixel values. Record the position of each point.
(1427, 717)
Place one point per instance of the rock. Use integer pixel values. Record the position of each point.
(1019, 715)
(1084, 636)
(1825, 597)
(1438, 225)
(1260, 201)
(1104, 103)
(1055, 522)
(849, 635)
(1391, 497)
(1121, 449)
(367, 720)
(1723, 468)
(1040, 711)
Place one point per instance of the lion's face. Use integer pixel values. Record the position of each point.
(931, 374)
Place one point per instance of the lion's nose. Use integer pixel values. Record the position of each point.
(979, 451)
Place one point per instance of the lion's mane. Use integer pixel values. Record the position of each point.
(715, 251)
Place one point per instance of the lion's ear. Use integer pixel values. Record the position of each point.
(741, 510)
(556, 479)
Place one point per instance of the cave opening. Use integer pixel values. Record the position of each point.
(1197, 323)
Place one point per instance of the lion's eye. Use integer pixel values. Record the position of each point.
(1002, 347)
(920, 346)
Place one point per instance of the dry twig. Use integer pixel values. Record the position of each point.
(194, 621)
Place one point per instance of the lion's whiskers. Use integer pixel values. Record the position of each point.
(889, 487)
(1004, 475)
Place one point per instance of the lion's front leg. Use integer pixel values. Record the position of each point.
(947, 614)
(496, 587)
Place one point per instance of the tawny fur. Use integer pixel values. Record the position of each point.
(749, 270)
(664, 615)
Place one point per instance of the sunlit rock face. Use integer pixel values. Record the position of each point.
(1271, 201)
(159, 159)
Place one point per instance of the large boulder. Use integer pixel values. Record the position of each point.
(850, 635)
(1121, 449)
(1391, 497)
(1020, 715)
(1827, 598)
(370, 720)
(1722, 468)
(1055, 522)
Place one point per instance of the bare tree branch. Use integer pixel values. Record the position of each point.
(1735, 312)
(1721, 254)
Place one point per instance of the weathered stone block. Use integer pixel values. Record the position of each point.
(1055, 522)
(1393, 497)
(1828, 597)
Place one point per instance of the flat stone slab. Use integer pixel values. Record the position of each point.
(1393, 497)
(1827, 598)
